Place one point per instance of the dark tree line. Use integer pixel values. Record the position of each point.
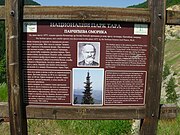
(27, 2)
(169, 3)
(2, 53)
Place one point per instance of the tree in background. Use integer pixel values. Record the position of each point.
(166, 71)
(2, 53)
(87, 98)
(169, 3)
(170, 91)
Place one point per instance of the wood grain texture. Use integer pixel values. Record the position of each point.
(57, 113)
(60, 112)
(168, 111)
(85, 112)
(92, 13)
(18, 124)
(156, 54)
(2, 13)
(84, 13)
(87, 13)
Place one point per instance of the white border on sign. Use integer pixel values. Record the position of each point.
(145, 81)
(30, 27)
(102, 85)
(140, 29)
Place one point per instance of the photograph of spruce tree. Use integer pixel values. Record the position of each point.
(88, 85)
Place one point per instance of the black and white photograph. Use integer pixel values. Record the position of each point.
(88, 86)
(88, 54)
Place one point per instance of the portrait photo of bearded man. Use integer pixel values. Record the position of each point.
(88, 54)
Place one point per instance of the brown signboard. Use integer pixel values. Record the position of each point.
(62, 60)
(109, 58)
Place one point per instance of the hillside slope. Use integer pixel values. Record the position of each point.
(169, 3)
(172, 54)
(172, 46)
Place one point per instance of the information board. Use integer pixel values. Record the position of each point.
(74, 63)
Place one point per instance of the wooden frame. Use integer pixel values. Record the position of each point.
(155, 16)
(17, 111)
(150, 122)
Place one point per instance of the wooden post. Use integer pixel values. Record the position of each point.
(14, 14)
(157, 27)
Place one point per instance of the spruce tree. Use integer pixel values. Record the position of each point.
(87, 97)
(166, 71)
(170, 91)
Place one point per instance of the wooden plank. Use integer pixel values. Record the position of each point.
(49, 112)
(92, 13)
(84, 13)
(18, 124)
(173, 17)
(156, 53)
(87, 13)
(60, 112)
(168, 111)
(4, 111)
(2, 13)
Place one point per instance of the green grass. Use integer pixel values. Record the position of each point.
(90, 127)
(79, 127)
(95, 127)
(169, 127)
(3, 92)
(74, 127)
(43, 127)
(5, 128)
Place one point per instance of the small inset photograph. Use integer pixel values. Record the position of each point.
(88, 54)
(88, 85)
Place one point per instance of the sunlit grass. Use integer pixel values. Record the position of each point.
(3, 92)
(169, 127)
(79, 127)
(172, 55)
(95, 127)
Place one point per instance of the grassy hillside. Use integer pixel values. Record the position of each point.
(172, 54)
(145, 4)
(27, 2)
